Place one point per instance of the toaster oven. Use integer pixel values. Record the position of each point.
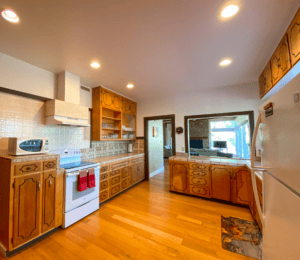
(26, 146)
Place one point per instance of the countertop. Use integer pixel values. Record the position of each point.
(114, 158)
(215, 160)
(29, 158)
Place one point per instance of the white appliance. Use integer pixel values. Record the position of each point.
(77, 205)
(279, 132)
(130, 148)
(26, 146)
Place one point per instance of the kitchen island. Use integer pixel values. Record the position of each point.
(226, 180)
(119, 172)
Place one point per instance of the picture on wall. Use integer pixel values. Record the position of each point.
(154, 131)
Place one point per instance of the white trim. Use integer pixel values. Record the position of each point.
(157, 171)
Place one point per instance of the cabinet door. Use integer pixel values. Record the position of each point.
(240, 188)
(134, 174)
(132, 108)
(178, 177)
(280, 61)
(294, 39)
(27, 208)
(49, 186)
(141, 171)
(221, 176)
(111, 100)
(265, 80)
(126, 106)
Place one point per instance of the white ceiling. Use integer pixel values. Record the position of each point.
(162, 46)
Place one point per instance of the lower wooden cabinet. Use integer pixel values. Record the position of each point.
(31, 200)
(120, 175)
(27, 205)
(179, 177)
(221, 182)
(240, 185)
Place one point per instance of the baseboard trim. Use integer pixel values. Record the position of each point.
(157, 171)
(3, 250)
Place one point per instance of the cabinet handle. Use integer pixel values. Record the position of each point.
(39, 186)
(50, 183)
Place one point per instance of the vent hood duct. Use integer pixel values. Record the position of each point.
(66, 109)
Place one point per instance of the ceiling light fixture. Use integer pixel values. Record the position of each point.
(130, 86)
(10, 15)
(229, 11)
(95, 65)
(225, 62)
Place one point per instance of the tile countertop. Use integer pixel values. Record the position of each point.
(29, 158)
(214, 160)
(114, 158)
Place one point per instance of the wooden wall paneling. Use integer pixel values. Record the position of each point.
(221, 182)
(294, 38)
(27, 205)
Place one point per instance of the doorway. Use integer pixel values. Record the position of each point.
(159, 133)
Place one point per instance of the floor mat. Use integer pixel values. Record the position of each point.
(241, 236)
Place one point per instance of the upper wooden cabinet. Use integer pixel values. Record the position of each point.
(265, 80)
(179, 177)
(111, 100)
(129, 106)
(280, 61)
(294, 39)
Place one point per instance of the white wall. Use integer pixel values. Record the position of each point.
(156, 146)
(227, 99)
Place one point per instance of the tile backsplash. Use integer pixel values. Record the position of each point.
(24, 117)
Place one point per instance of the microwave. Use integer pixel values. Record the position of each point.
(26, 146)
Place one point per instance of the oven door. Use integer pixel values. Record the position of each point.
(75, 198)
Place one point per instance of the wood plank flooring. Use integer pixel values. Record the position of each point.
(146, 222)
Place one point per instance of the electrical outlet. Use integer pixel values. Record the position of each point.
(296, 97)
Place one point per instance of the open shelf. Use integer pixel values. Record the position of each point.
(111, 118)
(128, 130)
(112, 129)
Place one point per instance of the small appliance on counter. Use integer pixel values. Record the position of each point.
(27, 146)
(81, 186)
(129, 148)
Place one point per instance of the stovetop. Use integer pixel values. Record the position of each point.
(73, 165)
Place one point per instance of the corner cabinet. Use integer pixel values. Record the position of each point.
(240, 186)
(31, 200)
(113, 116)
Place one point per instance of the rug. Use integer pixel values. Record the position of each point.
(241, 236)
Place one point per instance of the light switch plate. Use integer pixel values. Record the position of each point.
(296, 97)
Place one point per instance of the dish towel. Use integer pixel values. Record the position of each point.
(91, 178)
(82, 181)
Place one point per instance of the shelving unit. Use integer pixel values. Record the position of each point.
(113, 116)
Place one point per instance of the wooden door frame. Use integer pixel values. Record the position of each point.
(146, 119)
(250, 114)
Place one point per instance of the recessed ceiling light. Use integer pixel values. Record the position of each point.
(95, 65)
(130, 86)
(225, 62)
(10, 15)
(230, 10)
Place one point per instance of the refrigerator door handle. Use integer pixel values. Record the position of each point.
(253, 169)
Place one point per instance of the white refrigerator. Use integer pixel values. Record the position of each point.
(279, 133)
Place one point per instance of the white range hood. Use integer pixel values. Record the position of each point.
(66, 110)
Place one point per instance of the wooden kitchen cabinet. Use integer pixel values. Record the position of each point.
(294, 38)
(240, 188)
(120, 175)
(179, 177)
(111, 100)
(31, 200)
(221, 182)
(280, 61)
(27, 205)
(265, 80)
(129, 106)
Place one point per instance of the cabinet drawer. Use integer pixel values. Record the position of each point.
(114, 190)
(137, 159)
(114, 180)
(50, 165)
(125, 172)
(103, 185)
(104, 195)
(119, 165)
(26, 168)
(199, 166)
(197, 172)
(126, 183)
(104, 168)
(114, 173)
(200, 191)
(104, 176)
(200, 181)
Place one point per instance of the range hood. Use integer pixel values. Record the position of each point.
(66, 109)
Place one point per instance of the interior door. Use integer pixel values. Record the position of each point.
(49, 185)
(27, 202)
(221, 176)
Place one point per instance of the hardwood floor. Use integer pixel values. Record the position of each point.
(146, 222)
